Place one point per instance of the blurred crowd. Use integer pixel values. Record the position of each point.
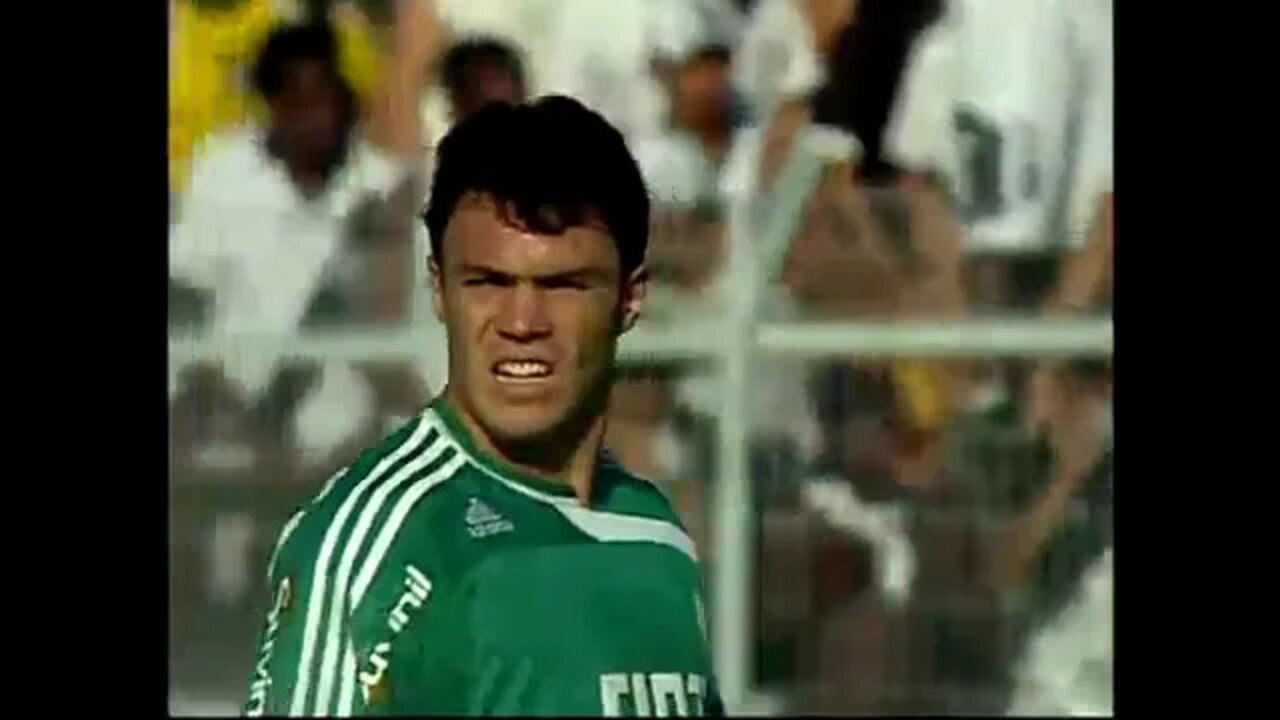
(934, 536)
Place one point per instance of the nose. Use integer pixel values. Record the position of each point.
(523, 316)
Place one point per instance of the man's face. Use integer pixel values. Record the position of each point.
(485, 83)
(700, 95)
(532, 321)
(308, 113)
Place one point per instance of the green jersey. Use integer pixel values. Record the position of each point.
(429, 577)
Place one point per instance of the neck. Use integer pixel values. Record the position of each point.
(309, 175)
(309, 181)
(713, 138)
(715, 142)
(567, 455)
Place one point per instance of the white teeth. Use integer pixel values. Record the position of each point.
(524, 369)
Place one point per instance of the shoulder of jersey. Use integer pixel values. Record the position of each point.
(648, 495)
(392, 479)
(422, 449)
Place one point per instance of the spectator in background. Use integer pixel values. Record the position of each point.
(212, 44)
(701, 98)
(1033, 553)
(1068, 667)
(951, 647)
(859, 477)
(601, 53)
(1007, 104)
(883, 237)
(275, 214)
(685, 167)
(967, 585)
(864, 74)
(480, 70)
(866, 488)
(869, 245)
(1061, 134)
(972, 545)
(209, 45)
(1084, 283)
(682, 166)
(778, 66)
(1045, 540)
(885, 250)
(873, 242)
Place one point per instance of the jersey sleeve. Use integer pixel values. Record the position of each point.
(277, 657)
(328, 647)
(281, 678)
(390, 641)
(401, 623)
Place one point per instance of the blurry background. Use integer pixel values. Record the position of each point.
(875, 377)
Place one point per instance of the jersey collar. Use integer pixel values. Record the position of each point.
(448, 415)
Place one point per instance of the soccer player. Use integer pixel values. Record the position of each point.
(489, 557)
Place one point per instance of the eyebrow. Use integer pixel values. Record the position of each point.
(585, 274)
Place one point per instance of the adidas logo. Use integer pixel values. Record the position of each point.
(483, 522)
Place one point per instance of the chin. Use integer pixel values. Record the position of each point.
(513, 431)
(521, 424)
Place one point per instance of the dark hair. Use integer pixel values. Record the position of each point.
(467, 53)
(710, 52)
(550, 164)
(866, 73)
(291, 43)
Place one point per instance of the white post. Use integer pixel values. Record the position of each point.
(733, 633)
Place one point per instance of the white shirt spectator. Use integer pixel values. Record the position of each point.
(919, 133)
(597, 52)
(601, 53)
(1068, 668)
(990, 100)
(777, 59)
(524, 24)
(245, 234)
(774, 61)
(248, 236)
(675, 168)
(1094, 172)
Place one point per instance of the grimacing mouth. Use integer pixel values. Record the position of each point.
(522, 368)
